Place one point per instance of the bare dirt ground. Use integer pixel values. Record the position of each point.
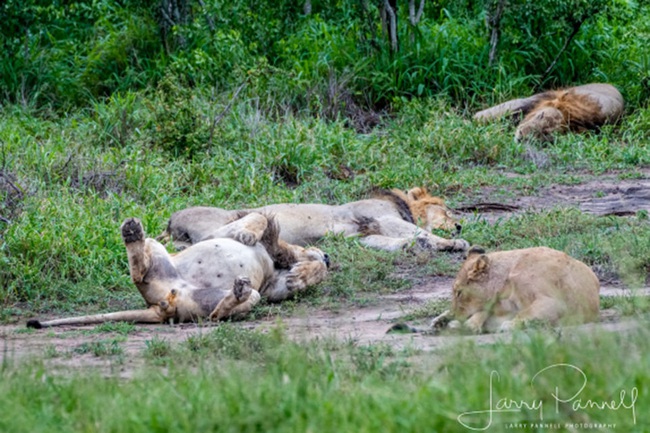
(606, 195)
(361, 325)
(602, 195)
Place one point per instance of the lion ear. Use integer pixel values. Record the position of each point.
(479, 267)
(416, 193)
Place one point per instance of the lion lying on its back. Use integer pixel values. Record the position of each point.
(215, 279)
(576, 109)
(503, 290)
(391, 221)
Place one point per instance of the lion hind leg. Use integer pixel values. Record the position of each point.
(543, 308)
(137, 251)
(240, 294)
(247, 230)
(381, 242)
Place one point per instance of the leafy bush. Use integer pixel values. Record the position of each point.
(177, 127)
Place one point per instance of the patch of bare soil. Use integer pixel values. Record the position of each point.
(605, 195)
(62, 347)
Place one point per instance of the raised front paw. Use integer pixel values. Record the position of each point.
(132, 230)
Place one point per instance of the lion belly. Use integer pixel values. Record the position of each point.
(216, 263)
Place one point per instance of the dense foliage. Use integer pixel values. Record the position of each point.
(336, 59)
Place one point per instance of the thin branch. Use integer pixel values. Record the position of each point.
(576, 29)
(5, 220)
(11, 184)
(218, 118)
(166, 17)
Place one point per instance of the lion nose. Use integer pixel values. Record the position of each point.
(327, 260)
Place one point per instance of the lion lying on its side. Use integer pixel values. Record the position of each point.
(391, 221)
(576, 109)
(507, 289)
(214, 279)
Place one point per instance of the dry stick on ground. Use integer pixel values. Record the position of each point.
(11, 184)
(218, 118)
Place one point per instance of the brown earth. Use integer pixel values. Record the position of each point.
(604, 195)
(361, 325)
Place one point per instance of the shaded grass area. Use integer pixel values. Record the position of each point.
(236, 380)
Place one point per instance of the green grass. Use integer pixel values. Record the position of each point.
(234, 380)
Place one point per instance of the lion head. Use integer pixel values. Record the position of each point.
(469, 294)
(540, 125)
(430, 212)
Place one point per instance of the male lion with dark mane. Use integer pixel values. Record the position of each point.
(390, 221)
(575, 109)
(215, 279)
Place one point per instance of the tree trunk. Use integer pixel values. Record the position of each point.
(494, 21)
(173, 13)
(390, 12)
(414, 17)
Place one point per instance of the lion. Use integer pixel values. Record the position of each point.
(391, 221)
(504, 290)
(214, 279)
(575, 109)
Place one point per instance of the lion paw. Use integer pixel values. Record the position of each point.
(476, 326)
(461, 245)
(298, 276)
(246, 237)
(242, 289)
(455, 324)
(132, 230)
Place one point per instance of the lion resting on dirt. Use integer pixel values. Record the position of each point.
(391, 221)
(214, 279)
(575, 109)
(503, 290)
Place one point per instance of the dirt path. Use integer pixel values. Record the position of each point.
(63, 347)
